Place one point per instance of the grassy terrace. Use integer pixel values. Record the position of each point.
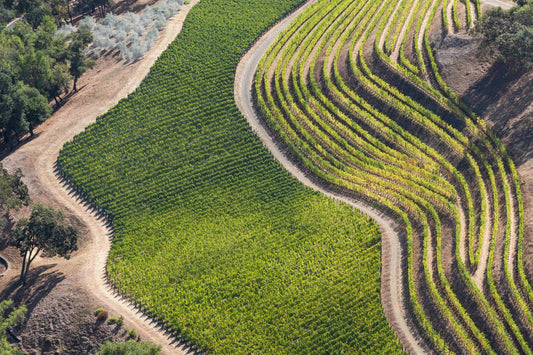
(211, 234)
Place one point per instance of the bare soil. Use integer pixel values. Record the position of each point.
(60, 319)
(63, 294)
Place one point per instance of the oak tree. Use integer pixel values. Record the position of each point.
(43, 231)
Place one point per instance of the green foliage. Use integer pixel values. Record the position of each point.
(23, 106)
(352, 142)
(117, 321)
(97, 311)
(36, 67)
(35, 12)
(129, 347)
(9, 317)
(13, 191)
(91, 6)
(211, 234)
(511, 32)
(79, 62)
(132, 333)
(43, 231)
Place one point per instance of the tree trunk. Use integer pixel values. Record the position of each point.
(31, 129)
(22, 271)
(8, 139)
(69, 13)
(28, 263)
(56, 100)
(75, 82)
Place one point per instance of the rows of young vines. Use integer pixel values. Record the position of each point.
(212, 235)
(353, 91)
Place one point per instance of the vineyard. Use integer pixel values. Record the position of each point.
(353, 91)
(211, 234)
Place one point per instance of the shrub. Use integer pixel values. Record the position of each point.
(102, 316)
(132, 333)
(129, 347)
(96, 312)
(118, 321)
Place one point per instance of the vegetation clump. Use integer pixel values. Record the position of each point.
(36, 66)
(102, 316)
(116, 321)
(132, 34)
(355, 114)
(511, 33)
(129, 347)
(43, 231)
(9, 317)
(97, 311)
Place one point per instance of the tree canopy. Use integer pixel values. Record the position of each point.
(9, 317)
(62, 11)
(13, 191)
(37, 66)
(511, 33)
(43, 231)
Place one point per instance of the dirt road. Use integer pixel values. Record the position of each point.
(503, 4)
(101, 88)
(392, 286)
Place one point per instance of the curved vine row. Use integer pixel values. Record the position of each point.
(356, 96)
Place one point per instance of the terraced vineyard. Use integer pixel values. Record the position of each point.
(353, 92)
(211, 234)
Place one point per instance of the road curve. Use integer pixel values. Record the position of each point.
(37, 159)
(503, 4)
(392, 286)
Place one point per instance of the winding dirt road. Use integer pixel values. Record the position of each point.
(503, 4)
(392, 295)
(101, 89)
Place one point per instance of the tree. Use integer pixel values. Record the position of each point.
(129, 347)
(25, 106)
(517, 47)
(24, 6)
(13, 192)
(6, 100)
(35, 106)
(93, 5)
(79, 62)
(43, 231)
(60, 82)
(510, 32)
(9, 317)
(34, 69)
(44, 38)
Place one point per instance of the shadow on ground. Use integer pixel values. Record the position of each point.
(41, 281)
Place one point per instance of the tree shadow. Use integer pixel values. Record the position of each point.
(40, 282)
(130, 6)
